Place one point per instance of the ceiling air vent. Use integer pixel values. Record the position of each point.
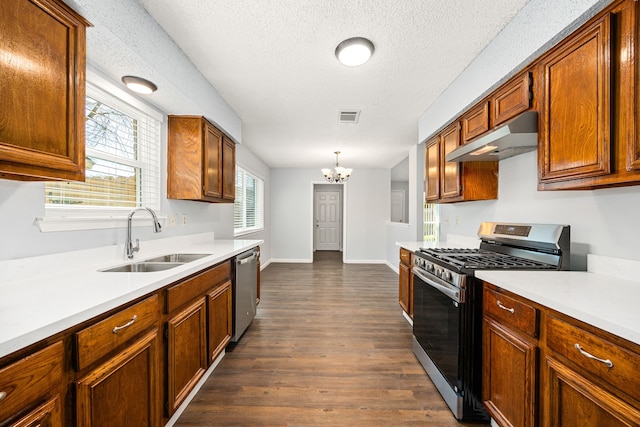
(349, 116)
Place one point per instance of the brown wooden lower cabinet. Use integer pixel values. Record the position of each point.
(575, 401)
(124, 390)
(509, 387)
(572, 375)
(186, 351)
(219, 302)
(405, 281)
(119, 369)
(46, 415)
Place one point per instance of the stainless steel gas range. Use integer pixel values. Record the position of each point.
(447, 311)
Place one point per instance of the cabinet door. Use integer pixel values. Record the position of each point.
(512, 99)
(509, 375)
(575, 401)
(42, 70)
(575, 111)
(432, 190)
(46, 415)
(475, 122)
(403, 288)
(220, 321)
(124, 391)
(450, 171)
(213, 161)
(186, 352)
(228, 169)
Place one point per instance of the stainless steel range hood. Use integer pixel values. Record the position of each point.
(514, 137)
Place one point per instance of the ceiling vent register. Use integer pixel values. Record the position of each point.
(349, 116)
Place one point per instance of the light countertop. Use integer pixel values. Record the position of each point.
(42, 296)
(606, 302)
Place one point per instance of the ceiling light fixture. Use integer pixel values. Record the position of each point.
(139, 85)
(354, 51)
(338, 174)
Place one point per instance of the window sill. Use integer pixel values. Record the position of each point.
(77, 223)
(248, 232)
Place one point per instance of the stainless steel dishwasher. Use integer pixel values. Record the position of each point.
(244, 292)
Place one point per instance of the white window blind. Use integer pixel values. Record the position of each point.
(122, 161)
(248, 212)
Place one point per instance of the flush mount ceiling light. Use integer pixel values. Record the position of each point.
(354, 51)
(338, 174)
(139, 85)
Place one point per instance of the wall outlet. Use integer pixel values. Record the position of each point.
(457, 220)
(183, 219)
(447, 221)
(172, 220)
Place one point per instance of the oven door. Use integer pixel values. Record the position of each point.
(437, 324)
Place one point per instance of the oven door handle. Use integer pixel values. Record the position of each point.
(453, 293)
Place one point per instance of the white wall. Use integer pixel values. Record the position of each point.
(366, 208)
(602, 221)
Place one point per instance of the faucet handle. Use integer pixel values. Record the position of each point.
(136, 248)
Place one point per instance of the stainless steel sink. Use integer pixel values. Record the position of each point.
(143, 267)
(182, 258)
(159, 263)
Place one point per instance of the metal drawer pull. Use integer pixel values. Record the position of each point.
(126, 325)
(510, 310)
(607, 362)
(3, 394)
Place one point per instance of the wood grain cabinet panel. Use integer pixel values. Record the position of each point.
(124, 390)
(42, 70)
(450, 185)
(186, 351)
(575, 119)
(219, 306)
(510, 359)
(98, 340)
(200, 161)
(513, 98)
(475, 122)
(46, 415)
(29, 380)
(432, 181)
(574, 401)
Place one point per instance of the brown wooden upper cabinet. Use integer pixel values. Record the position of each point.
(475, 122)
(42, 91)
(589, 113)
(456, 182)
(200, 162)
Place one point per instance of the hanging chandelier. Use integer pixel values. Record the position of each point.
(338, 174)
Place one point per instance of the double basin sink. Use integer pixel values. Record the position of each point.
(160, 263)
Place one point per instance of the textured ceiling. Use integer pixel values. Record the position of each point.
(273, 62)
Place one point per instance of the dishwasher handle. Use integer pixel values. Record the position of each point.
(247, 259)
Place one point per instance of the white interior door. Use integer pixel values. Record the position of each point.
(397, 206)
(327, 218)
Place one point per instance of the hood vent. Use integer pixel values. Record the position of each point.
(514, 137)
(349, 116)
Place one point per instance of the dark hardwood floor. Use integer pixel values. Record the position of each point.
(329, 347)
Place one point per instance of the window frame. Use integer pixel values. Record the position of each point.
(241, 195)
(88, 218)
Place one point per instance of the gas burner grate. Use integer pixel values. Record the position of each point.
(483, 259)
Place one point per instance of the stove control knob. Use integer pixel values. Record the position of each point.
(439, 272)
(448, 276)
(430, 267)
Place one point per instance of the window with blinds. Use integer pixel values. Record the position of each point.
(248, 209)
(122, 161)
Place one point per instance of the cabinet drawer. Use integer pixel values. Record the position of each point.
(511, 312)
(197, 286)
(98, 340)
(29, 379)
(405, 256)
(617, 366)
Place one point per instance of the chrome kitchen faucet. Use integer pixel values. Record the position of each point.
(129, 243)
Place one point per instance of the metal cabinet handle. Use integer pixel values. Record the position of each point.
(3, 394)
(607, 362)
(510, 310)
(126, 325)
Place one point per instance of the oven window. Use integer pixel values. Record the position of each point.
(436, 326)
